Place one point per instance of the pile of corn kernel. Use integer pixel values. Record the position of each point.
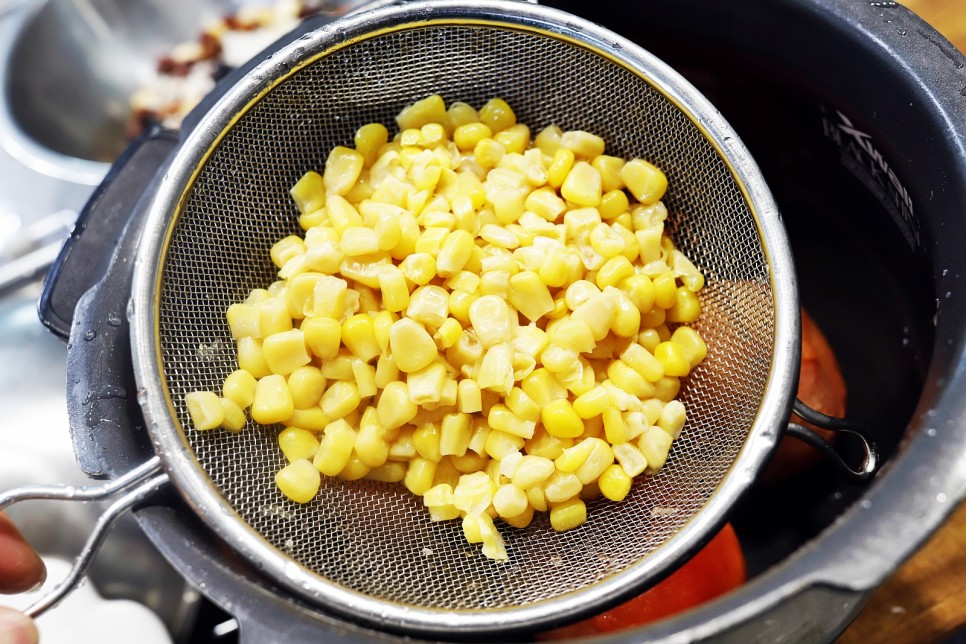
(482, 315)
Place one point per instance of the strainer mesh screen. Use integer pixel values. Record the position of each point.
(377, 538)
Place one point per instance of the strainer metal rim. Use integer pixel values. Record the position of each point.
(207, 501)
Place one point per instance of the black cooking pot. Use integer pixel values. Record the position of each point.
(856, 114)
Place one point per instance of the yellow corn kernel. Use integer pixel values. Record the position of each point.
(674, 358)
(627, 318)
(600, 458)
(323, 336)
(515, 138)
(359, 240)
(426, 385)
(666, 389)
(693, 344)
(448, 333)
(428, 305)
(411, 346)
(447, 473)
(548, 139)
(205, 409)
(338, 368)
(560, 419)
(329, 297)
(607, 241)
(426, 442)
(454, 253)
(615, 429)
(284, 352)
(537, 499)
(388, 473)
(532, 471)
(470, 462)
(454, 434)
(562, 486)
(557, 359)
(640, 289)
(359, 337)
(626, 378)
(583, 144)
(339, 399)
(419, 268)
(354, 470)
(244, 321)
(309, 192)
(503, 419)
(468, 396)
(599, 312)
(431, 109)
(672, 418)
(522, 405)
(614, 271)
(312, 419)
(644, 180)
(239, 387)
(439, 500)
(492, 320)
(582, 186)
(522, 520)
(474, 493)
(286, 249)
(614, 483)
(306, 385)
(643, 362)
(496, 368)
(560, 167)
(592, 403)
(654, 445)
(630, 458)
(529, 295)
(488, 153)
(649, 339)
(509, 501)
(546, 445)
(609, 168)
(402, 448)
(575, 456)
(368, 139)
(299, 481)
(553, 271)
(495, 283)
(467, 136)
(543, 387)
(686, 307)
(394, 407)
(466, 351)
(342, 170)
(498, 115)
(459, 114)
(370, 445)
(459, 305)
(613, 203)
(364, 375)
(273, 316)
(386, 371)
(297, 444)
(395, 291)
(335, 448)
(273, 401)
(499, 444)
(545, 203)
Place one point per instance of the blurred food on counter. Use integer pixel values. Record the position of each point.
(192, 68)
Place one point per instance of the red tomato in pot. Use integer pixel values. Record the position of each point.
(821, 387)
(713, 571)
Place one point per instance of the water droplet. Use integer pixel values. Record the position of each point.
(90, 334)
(866, 504)
(114, 319)
(931, 432)
(941, 498)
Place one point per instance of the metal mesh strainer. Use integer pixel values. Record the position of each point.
(369, 550)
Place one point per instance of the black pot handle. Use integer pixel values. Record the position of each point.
(870, 453)
(86, 254)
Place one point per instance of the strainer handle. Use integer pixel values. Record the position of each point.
(870, 453)
(133, 488)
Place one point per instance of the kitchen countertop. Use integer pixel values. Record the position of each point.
(925, 600)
